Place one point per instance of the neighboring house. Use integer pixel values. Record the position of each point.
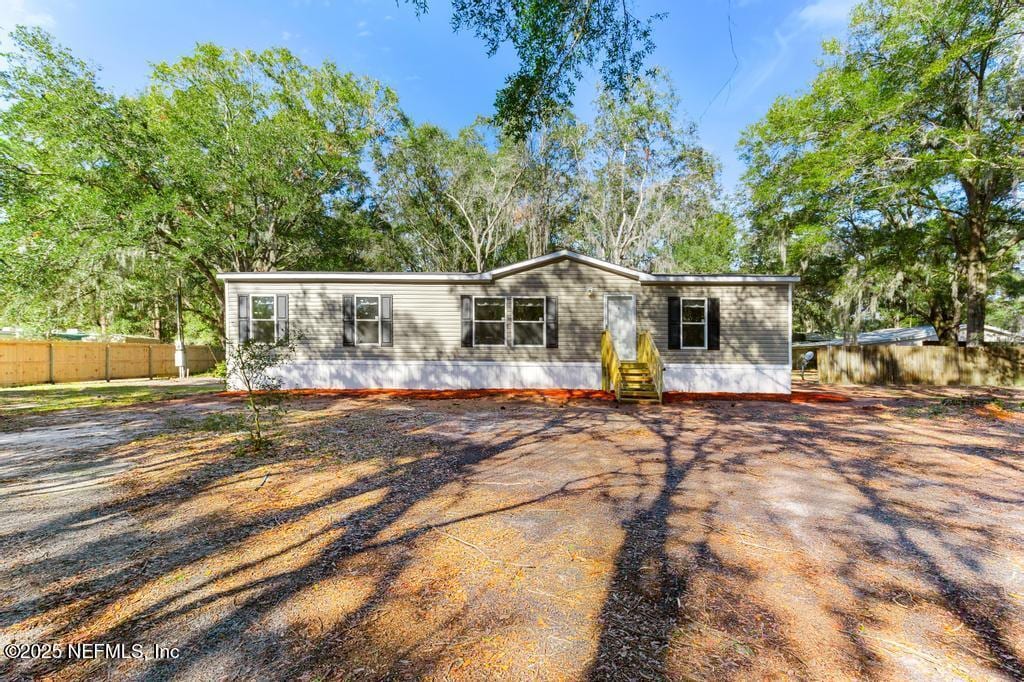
(914, 336)
(534, 324)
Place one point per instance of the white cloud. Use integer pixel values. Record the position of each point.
(768, 68)
(286, 35)
(826, 13)
(14, 12)
(364, 34)
(361, 23)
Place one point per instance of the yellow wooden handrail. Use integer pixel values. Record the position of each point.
(647, 352)
(611, 372)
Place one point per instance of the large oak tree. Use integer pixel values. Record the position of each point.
(228, 161)
(900, 168)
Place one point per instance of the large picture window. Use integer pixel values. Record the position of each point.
(528, 321)
(262, 315)
(694, 322)
(488, 321)
(367, 320)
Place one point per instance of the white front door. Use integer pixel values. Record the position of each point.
(620, 318)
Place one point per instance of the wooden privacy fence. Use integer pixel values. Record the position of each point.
(39, 362)
(932, 365)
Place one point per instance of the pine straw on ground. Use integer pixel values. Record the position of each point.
(507, 538)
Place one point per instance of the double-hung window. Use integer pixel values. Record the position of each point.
(488, 321)
(528, 321)
(261, 313)
(367, 320)
(694, 320)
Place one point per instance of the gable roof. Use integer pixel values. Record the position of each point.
(498, 273)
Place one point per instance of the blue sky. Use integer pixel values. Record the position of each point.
(446, 78)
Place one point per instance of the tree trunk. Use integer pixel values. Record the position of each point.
(944, 323)
(157, 324)
(538, 238)
(218, 321)
(977, 282)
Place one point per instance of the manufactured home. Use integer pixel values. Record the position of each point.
(563, 320)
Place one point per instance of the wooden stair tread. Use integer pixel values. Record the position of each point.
(636, 383)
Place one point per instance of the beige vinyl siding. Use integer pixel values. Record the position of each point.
(427, 320)
(754, 321)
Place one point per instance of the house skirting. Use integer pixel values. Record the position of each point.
(467, 374)
(439, 374)
(732, 378)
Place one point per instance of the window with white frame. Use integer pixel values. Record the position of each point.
(367, 320)
(694, 322)
(528, 321)
(261, 313)
(488, 321)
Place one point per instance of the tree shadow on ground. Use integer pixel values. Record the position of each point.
(653, 596)
(83, 599)
(681, 592)
(652, 590)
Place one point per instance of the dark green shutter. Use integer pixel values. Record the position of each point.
(467, 321)
(551, 320)
(675, 320)
(282, 316)
(243, 318)
(386, 327)
(714, 325)
(348, 321)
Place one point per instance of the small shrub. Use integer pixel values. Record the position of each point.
(250, 364)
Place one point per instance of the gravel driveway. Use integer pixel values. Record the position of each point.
(864, 534)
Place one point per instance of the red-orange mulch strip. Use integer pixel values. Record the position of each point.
(446, 394)
(549, 393)
(794, 397)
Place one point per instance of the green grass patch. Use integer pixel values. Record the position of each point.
(48, 398)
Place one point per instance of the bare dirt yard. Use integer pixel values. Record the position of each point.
(865, 533)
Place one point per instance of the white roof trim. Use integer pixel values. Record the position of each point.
(719, 279)
(497, 273)
(562, 255)
(420, 277)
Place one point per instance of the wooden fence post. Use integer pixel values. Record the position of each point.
(149, 360)
(106, 361)
(50, 347)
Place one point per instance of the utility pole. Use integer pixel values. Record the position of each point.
(179, 340)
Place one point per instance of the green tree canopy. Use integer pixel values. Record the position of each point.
(633, 188)
(895, 180)
(644, 181)
(228, 161)
(245, 161)
(555, 40)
